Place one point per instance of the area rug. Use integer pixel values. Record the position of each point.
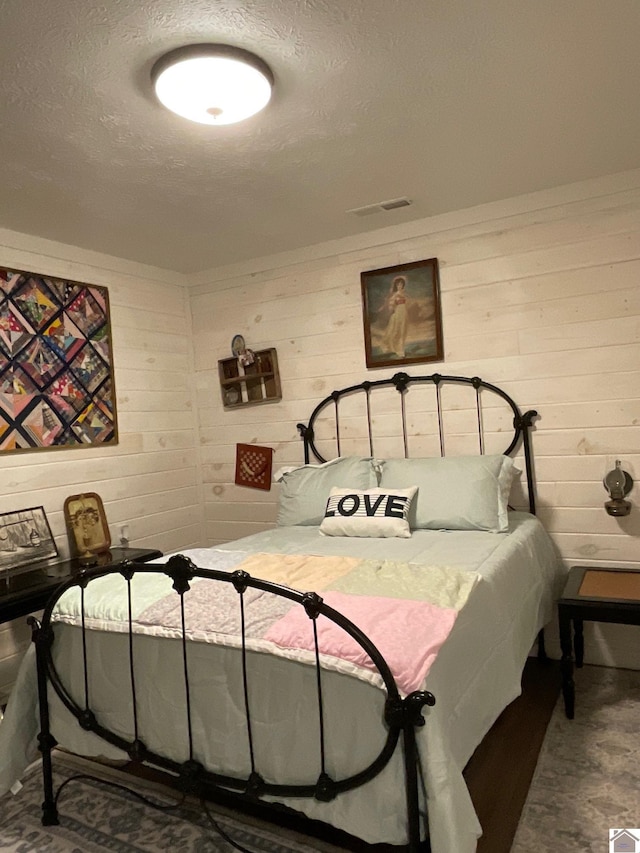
(587, 779)
(96, 817)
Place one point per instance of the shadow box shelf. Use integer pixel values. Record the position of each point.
(248, 385)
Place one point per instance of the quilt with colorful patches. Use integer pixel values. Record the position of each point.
(408, 632)
(56, 378)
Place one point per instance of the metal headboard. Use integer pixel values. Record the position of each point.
(522, 423)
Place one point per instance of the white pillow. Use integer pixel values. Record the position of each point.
(304, 491)
(455, 492)
(369, 512)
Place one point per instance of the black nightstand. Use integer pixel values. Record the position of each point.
(28, 589)
(597, 595)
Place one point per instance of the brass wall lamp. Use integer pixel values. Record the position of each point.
(618, 483)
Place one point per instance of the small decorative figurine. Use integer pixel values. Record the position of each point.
(239, 349)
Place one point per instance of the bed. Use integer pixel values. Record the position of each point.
(357, 704)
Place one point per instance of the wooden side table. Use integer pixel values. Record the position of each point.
(597, 595)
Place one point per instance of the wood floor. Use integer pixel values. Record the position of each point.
(500, 771)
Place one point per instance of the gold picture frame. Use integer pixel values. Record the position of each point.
(56, 364)
(87, 524)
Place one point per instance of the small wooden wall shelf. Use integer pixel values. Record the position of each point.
(247, 386)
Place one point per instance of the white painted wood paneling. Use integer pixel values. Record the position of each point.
(150, 480)
(539, 294)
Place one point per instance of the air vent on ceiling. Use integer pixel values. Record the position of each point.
(392, 204)
(395, 203)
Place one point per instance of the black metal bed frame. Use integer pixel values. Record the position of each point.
(401, 715)
(522, 423)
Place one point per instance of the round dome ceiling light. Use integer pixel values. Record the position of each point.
(212, 83)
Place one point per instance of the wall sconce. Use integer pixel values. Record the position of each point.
(618, 483)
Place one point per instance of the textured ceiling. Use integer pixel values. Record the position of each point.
(449, 102)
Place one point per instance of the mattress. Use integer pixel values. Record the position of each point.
(475, 675)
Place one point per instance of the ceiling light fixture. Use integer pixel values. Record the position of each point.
(212, 83)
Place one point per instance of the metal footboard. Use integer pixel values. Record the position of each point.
(401, 714)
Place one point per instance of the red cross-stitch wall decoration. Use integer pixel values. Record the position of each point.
(253, 466)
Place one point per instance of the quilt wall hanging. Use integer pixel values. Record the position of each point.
(56, 365)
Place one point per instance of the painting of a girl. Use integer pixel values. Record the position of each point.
(401, 310)
(396, 306)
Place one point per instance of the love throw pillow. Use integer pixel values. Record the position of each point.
(369, 512)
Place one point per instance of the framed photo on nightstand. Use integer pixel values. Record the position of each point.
(87, 524)
(25, 537)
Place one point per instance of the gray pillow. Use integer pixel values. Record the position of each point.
(454, 492)
(304, 491)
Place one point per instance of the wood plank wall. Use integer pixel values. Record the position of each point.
(540, 294)
(150, 480)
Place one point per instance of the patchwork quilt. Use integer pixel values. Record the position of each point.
(408, 631)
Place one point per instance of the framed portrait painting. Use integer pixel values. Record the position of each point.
(87, 524)
(401, 313)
